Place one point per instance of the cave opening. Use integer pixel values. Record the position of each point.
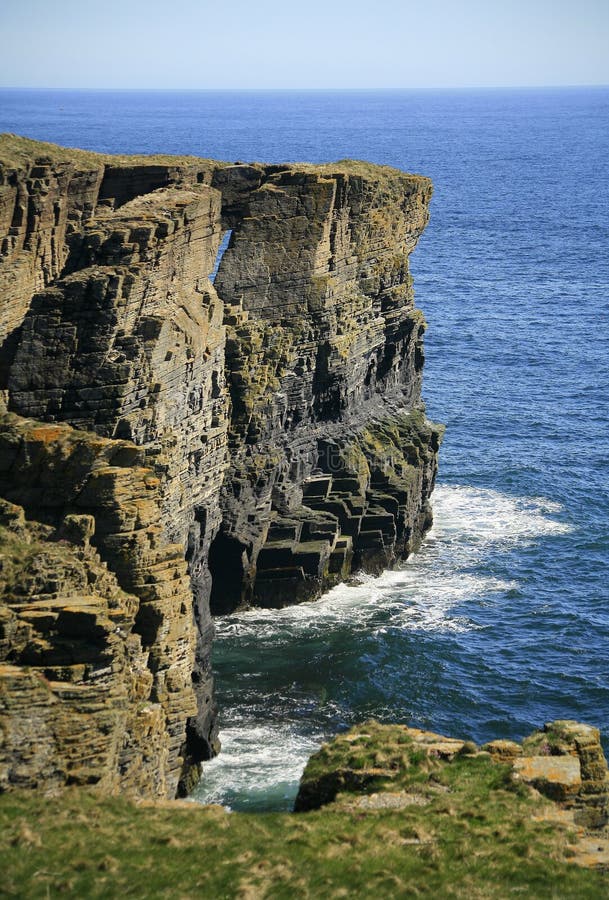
(227, 562)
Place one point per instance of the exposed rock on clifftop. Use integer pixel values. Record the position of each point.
(393, 766)
(263, 433)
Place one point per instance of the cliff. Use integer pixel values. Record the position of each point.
(177, 440)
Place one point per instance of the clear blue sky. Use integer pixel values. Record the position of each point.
(315, 44)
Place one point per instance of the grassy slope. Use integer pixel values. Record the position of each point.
(475, 839)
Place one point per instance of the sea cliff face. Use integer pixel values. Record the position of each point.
(173, 440)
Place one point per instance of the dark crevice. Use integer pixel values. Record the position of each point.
(227, 556)
(224, 244)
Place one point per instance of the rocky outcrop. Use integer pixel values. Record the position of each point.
(130, 344)
(261, 428)
(47, 194)
(392, 766)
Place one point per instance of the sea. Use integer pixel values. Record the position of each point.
(501, 621)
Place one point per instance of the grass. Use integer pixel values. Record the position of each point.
(18, 152)
(363, 169)
(475, 838)
(21, 151)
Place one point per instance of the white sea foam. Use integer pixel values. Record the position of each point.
(481, 514)
(470, 525)
(256, 760)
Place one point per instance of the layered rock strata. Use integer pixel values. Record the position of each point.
(266, 418)
(332, 459)
(97, 645)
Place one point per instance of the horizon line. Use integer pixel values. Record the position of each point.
(287, 90)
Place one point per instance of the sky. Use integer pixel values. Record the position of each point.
(197, 44)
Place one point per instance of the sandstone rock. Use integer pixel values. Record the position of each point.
(568, 740)
(251, 437)
(92, 699)
(591, 852)
(557, 777)
(502, 750)
(324, 362)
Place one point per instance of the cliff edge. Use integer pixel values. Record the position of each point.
(211, 376)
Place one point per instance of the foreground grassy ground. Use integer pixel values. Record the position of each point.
(475, 837)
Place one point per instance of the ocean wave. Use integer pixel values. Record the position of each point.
(470, 525)
(482, 514)
(258, 761)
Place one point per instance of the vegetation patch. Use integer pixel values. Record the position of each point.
(475, 839)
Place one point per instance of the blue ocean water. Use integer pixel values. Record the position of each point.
(501, 622)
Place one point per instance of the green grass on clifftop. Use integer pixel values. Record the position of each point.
(476, 841)
(19, 152)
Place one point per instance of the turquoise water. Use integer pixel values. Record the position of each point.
(501, 622)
